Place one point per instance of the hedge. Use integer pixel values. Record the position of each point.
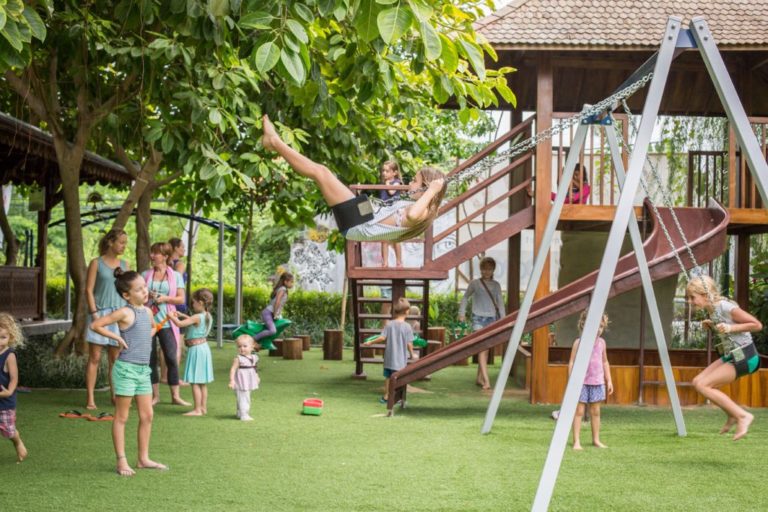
(311, 312)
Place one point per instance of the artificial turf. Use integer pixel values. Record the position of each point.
(429, 456)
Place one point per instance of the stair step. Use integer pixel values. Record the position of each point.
(372, 360)
(388, 282)
(382, 300)
(395, 273)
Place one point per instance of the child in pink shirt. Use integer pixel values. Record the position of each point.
(596, 381)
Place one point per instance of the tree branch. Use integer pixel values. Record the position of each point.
(23, 88)
(172, 177)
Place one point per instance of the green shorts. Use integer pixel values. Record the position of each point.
(130, 379)
(747, 366)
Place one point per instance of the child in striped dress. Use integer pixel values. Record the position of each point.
(131, 372)
(198, 368)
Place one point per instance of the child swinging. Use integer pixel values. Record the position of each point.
(393, 223)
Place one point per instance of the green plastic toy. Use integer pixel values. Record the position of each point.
(253, 328)
(418, 341)
(458, 330)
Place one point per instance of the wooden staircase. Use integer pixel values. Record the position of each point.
(367, 309)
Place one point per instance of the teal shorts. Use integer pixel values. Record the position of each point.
(753, 364)
(130, 379)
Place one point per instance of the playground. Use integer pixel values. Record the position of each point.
(427, 457)
(391, 412)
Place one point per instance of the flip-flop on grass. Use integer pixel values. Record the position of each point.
(74, 414)
(104, 416)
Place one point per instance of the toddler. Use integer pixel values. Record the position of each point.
(10, 336)
(244, 374)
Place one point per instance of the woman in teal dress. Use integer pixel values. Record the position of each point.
(103, 299)
(198, 368)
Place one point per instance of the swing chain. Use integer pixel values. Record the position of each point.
(606, 104)
(666, 198)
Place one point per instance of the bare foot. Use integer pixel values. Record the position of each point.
(246, 418)
(91, 407)
(179, 401)
(729, 423)
(577, 447)
(486, 387)
(21, 452)
(150, 464)
(123, 469)
(193, 412)
(155, 400)
(598, 444)
(270, 136)
(742, 426)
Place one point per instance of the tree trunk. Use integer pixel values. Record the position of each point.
(70, 179)
(143, 218)
(145, 179)
(11, 242)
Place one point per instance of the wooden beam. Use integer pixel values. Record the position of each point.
(544, 104)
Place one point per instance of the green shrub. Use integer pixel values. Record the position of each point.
(311, 312)
(39, 368)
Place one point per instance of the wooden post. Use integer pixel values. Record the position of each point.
(306, 341)
(333, 344)
(292, 349)
(544, 102)
(278, 352)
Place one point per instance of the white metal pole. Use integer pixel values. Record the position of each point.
(624, 210)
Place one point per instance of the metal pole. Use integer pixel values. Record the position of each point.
(538, 267)
(239, 277)
(624, 210)
(220, 299)
(650, 296)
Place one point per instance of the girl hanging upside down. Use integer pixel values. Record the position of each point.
(356, 220)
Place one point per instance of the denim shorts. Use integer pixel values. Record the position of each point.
(131, 379)
(478, 322)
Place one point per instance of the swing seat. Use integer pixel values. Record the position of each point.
(252, 328)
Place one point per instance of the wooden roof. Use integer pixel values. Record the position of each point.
(594, 45)
(621, 24)
(27, 156)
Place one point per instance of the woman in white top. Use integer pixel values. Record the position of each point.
(395, 223)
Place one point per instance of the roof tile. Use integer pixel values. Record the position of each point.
(621, 23)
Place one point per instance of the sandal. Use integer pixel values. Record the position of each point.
(74, 414)
(104, 416)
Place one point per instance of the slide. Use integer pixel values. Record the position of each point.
(705, 231)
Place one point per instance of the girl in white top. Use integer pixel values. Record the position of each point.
(740, 358)
(395, 223)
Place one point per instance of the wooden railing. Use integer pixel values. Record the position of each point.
(490, 189)
(595, 157)
(19, 288)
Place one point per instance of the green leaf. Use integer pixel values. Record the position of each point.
(167, 142)
(393, 23)
(293, 65)
(387, 2)
(506, 93)
(432, 46)
(214, 116)
(257, 19)
(3, 18)
(365, 21)
(218, 81)
(218, 8)
(11, 34)
(449, 55)
(267, 56)
(304, 12)
(421, 10)
(207, 171)
(36, 24)
(219, 186)
(10, 56)
(475, 57)
(297, 30)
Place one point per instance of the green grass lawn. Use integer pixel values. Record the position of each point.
(429, 456)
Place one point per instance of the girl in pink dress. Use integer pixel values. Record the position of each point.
(598, 378)
(244, 374)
